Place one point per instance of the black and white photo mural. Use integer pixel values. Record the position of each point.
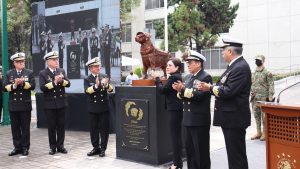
(78, 30)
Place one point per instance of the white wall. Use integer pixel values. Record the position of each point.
(271, 28)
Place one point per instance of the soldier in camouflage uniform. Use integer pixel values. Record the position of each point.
(262, 89)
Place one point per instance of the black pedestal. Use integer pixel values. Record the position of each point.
(142, 132)
(77, 117)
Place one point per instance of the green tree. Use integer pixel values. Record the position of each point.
(199, 22)
(126, 6)
(19, 25)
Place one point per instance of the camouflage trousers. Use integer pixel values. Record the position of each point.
(258, 115)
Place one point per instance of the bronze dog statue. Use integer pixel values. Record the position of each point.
(151, 56)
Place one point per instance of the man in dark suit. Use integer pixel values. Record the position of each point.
(19, 82)
(232, 111)
(94, 43)
(61, 47)
(96, 87)
(196, 112)
(53, 81)
(43, 44)
(50, 44)
(1, 96)
(106, 47)
(85, 50)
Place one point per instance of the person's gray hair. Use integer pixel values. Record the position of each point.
(47, 62)
(237, 50)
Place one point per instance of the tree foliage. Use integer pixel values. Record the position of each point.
(198, 22)
(125, 8)
(19, 25)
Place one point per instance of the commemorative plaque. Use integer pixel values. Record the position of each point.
(73, 61)
(135, 133)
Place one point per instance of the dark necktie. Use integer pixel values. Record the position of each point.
(54, 72)
(18, 73)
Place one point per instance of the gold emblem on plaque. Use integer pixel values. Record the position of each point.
(285, 161)
(133, 111)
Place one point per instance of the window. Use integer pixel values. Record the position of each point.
(214, 58)
(126, 32)
(151, 4)
(156, 24)
(126, 68)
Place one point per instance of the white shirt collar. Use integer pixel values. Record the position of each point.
(94, 74)
(234, 60)
(19, 71)
(52, 70)
(197, 72)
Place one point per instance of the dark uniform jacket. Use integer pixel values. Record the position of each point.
(97, 97)
(94, 43)
(106, 39)
(19, 98)
(173, 102)
(61, 47)
(232, 99)
(54, 94)
(196, 104)
(49, 45)
(43, 47)
(85, 49)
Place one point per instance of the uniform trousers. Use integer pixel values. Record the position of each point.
(61, 59)
(85, 59)
(176, 135)
(56, 127)
(94, 52)
(197, 147)
(236, 147)
(99, 125)
(107, 60)
(20, 129)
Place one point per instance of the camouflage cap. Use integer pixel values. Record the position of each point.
(260, 57)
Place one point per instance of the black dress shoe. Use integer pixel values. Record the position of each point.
(14, 152)
(102, 153)
(52, 151)
(95, 151)
(62, 150)
(25, 152)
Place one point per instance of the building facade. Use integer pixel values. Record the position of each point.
(271, 28)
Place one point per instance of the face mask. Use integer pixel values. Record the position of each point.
(258, 62)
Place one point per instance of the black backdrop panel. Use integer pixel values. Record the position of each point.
(73, 61)
(82, 19)
(77, 117)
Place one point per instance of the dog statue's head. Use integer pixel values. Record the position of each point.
(142, 37)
